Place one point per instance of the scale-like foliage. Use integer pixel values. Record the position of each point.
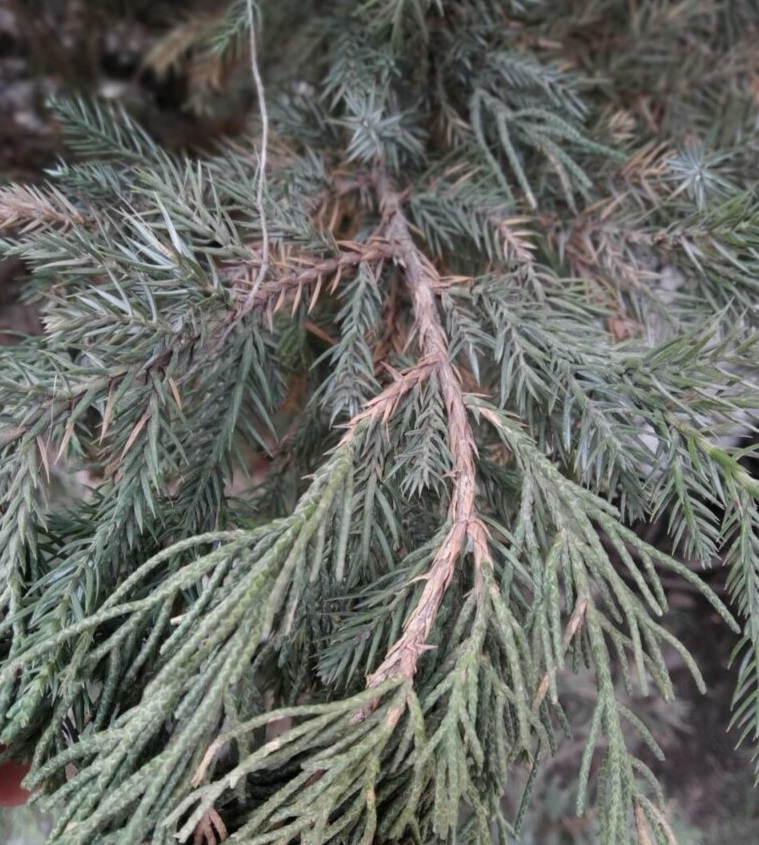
(368, 404)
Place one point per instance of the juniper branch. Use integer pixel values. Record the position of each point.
(293, 273)
(421, 279)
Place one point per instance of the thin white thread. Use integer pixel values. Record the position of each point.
(261, 186)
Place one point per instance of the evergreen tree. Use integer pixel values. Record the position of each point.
(478, 294)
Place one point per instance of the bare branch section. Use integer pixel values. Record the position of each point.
(465, 528)
(290, 275)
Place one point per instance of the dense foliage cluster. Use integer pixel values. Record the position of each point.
(368, 402)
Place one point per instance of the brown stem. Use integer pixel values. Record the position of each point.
(421, 280)
(287, 280)
(271, 295)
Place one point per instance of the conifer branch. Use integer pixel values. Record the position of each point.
(465, 526)
(29, 207)
(383, 406)
(292, 273)
(440, 216)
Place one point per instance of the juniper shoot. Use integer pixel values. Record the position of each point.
(475, 293)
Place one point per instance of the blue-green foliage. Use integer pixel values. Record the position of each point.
(368, 418)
